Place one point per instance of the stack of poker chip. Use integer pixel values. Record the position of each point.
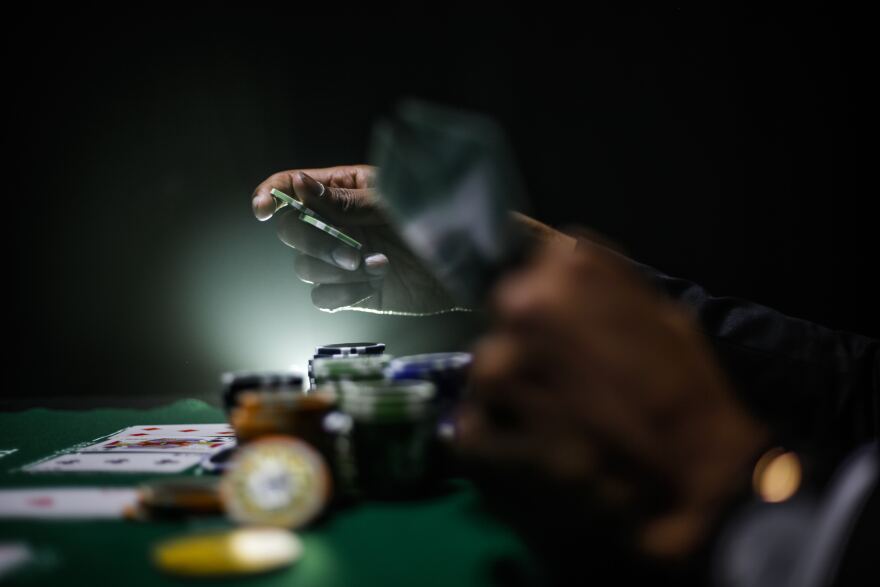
(360, 359)
(234, 383)
(264, 413)
(391, 434)
(381, 401)
(447, 371)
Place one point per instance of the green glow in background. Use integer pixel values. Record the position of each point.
(137, 271)
(144, 274)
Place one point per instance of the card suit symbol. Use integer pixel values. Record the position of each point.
(42, 501)
(152, 428)
(68, 462)
(189, 430)
(116, 461)
(167, 462)
(139, 434)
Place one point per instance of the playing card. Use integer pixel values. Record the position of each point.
(161, 444)
(449, 179)
(132, 462)
(175, 431)
(66, 502)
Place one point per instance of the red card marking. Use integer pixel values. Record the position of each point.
(43, 501)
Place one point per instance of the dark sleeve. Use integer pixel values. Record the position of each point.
(818, 388)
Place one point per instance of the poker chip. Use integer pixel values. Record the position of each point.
(365, 367)
(351, 348)
(386, 400)
(293, 203)
(276, 481)
(419, 366)
(180, 496)
(244, 551)
(299, 414)
(342, 351)
(233, 383)
(309, 218)
(448, 372)
(391, 438)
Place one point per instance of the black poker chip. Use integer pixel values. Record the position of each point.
(235, 382)
(351, 348)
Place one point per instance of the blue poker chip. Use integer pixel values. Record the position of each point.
(447, 371)
(423, 365)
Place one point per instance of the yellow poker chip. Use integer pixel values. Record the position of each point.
(275, 481)
(245, 551)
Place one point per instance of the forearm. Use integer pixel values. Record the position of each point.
(814, 385)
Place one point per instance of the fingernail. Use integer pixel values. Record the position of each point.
(376, 264)
(346, 257)
(315, 187)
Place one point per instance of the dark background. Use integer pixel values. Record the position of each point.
(717, 146)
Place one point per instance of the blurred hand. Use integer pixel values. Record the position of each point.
(593, 381)
(384, 276)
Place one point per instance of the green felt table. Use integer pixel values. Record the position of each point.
(444, 540)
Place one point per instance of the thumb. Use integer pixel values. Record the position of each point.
(340, 205)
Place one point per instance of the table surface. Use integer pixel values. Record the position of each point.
(444, 540)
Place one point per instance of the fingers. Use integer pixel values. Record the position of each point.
(349, 177)
(316, 243)
(332, 297)
(262, 201)
(344, 205)
(355, 177)
(314, 270)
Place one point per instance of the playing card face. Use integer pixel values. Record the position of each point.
(66, 502)
(162, 444)
(130, 462)
(175, 431)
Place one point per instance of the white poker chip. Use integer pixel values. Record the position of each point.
(276, 481)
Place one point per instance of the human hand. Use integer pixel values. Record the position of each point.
(592, 380)
(385, 276)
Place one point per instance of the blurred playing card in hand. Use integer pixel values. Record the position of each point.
(450, 180)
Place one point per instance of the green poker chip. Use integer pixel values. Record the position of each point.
(293, 202)
(363, 367)
(387, 400)
(309, 218)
